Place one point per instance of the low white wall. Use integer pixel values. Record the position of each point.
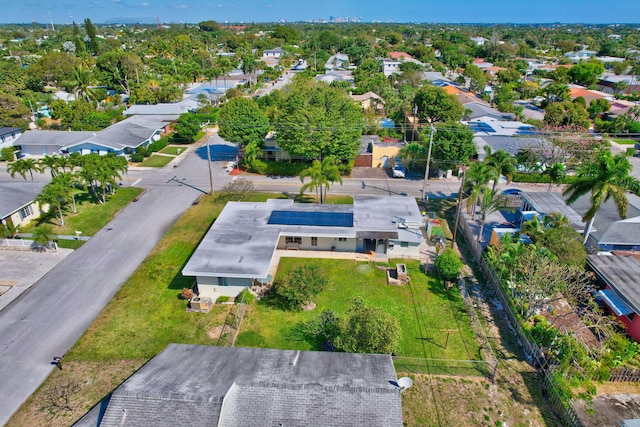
(216, 291)
(324, 244)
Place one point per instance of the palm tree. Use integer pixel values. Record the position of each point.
(68, 180)
(414, 152)
(322, 175)
(22, 167)
(54, 195)
(43, 235)
(51, 163)
(82, 84)
(478, 176)
(490, 202)
(502, 162)
(605, 177)
(556, 173)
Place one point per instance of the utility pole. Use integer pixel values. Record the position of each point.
(455, 227)
(426, 172)
(209, 161)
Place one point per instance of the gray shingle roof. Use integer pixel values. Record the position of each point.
(205, 385)
(17, 194)
(621, 274)
(52, 137)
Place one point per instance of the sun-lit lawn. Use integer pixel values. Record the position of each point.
(173, 149)
(155, 161)
(91, 216)
(423, 309)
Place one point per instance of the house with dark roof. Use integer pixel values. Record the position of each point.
(240, 245)
(621, 294)
(17, 201)
(200, 385)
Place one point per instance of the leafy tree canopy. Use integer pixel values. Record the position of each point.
(452, 144)
(242, 121)
(435, 105)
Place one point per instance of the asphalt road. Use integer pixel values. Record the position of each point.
(46, 320)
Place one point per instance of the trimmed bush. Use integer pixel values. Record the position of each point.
(247, 295)
(448, 265)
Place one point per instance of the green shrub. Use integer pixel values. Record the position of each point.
(258, 166)
(222, 299)
(136, 157)
(247, 295)
(7, 154)
(448, 265)
(285, 168)
(158, 145)
(300, 286)
(539, 178)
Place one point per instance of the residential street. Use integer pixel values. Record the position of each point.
(48, 318)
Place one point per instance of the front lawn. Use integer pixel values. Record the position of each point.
(625, 141)
(91, 216)
(423, 309)
(155, 161)
(174, 150)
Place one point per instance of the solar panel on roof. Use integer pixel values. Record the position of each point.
(321, 219)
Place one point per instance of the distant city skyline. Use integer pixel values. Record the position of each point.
(193, 11)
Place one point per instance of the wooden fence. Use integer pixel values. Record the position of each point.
(625, 375)
(232, 323)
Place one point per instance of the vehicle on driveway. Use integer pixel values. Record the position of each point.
(398, 170)
(512, 192)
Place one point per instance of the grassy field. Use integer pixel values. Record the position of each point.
(173, 149)
(423, 309)
(155, 161)
(90, 216)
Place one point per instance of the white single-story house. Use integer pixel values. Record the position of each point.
(240, 245)
(273, 53)
(17, 204)
(121, 138)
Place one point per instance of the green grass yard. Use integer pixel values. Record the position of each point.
(91, 216)
(625, 141)
(173, 149)
(155, 161)
(423, 309)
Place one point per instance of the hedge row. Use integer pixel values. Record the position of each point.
(539, 178)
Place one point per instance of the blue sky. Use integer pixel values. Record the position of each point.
(481, 11)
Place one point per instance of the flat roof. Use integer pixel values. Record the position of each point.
(242, 240)
(547, 202)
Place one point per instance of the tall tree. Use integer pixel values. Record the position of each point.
(502, 162)
(56, 196)
(317, 121)
(322, 175)
(490, 201)
(606, 177)
(22, 167)
(241, 121)
(13, 113)
(556, 173)
(478, 176)
(92, 41)
(435, 105)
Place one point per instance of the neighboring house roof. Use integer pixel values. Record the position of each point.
(9, 131)
(242, 241)
(277, 50)
(452, 90)
(621, 274)
(489, 126)
(547, 203)
(627, 233)
(510, 144)
(342, 76)
(365, 96)
(434, 76)
(480, 109)
(163, 109)
(127, 133)
(234, 386)
(400, 55)
(17, 194)
(588, 95)
(465, 98)
(51, 137)
(337, 61)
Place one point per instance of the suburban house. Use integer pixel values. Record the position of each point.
(200, 385)
(240, 245)
(576, 91)
(369, 100)
(8, 135)
(391, 64)
(619, 275)
(608, 81)
(339, 61)
(376, 153)
(545, 203)
(273, 53)
(121, 138)
(336, 75)
(17, 204)
(507, 135)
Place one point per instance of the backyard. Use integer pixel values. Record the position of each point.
(423, 308)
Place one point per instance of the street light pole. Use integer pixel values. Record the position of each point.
(209, 162)
(426, 171)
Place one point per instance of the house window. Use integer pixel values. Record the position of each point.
(291, 239)
(25, 212)
(342, 239)
(314, 241)
(404, 244)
